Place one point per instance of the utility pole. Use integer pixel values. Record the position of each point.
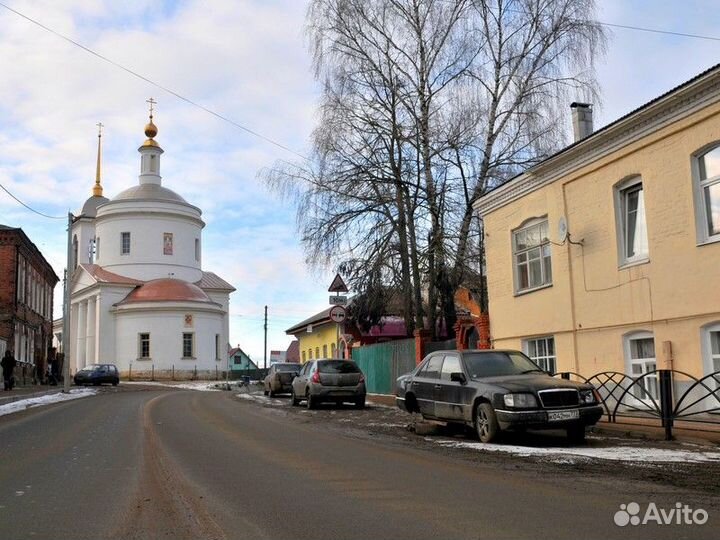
(66, 308)
(265, 345)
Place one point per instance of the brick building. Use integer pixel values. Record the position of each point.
(27, 282)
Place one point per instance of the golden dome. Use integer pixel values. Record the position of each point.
(151, 129)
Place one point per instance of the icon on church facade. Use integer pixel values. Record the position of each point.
(167, 243)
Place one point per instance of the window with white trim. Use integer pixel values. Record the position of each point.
(640, 359)
(711, 358)
(632, 224)
(188, 344)
(217, 346)
(125, 243)
(542, 352)
(144, 345)
(707, 195)
(531, 256)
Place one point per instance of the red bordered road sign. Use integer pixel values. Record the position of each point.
(337, 314)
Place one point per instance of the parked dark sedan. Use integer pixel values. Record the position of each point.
(495, 390)
(97, 374)
(329, 380)
(279, 378)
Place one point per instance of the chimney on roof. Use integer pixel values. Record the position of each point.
(582, 118)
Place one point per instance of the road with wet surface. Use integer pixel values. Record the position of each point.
(160, 463)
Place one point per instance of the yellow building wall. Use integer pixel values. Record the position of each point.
(323, 334)
(593, 302)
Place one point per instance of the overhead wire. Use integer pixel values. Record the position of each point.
(153, 83)
(6, 190)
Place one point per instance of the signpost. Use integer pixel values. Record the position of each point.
(338, 313)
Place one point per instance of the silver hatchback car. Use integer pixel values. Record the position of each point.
(329, 380)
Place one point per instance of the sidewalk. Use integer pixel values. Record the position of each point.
(26, 392)
(683, 431)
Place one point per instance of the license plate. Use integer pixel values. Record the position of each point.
(557, 416)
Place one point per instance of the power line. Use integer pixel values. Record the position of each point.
(6, 190)
(150, 81)
(656, 31)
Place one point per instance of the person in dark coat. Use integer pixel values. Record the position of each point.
(8, 367)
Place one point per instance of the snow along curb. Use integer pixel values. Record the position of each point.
(47, 399)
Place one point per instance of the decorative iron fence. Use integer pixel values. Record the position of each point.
(665, 394)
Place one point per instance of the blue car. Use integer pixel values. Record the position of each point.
(97, 374)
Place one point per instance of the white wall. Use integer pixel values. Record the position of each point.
(146, 226)
(166, 329)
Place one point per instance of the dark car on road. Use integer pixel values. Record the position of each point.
(496, 390)
(97, 374)
(279, 378)
(329, 380)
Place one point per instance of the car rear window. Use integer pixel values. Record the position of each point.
(338, 366)
(287, 367)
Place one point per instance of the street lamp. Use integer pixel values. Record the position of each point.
(66, 308)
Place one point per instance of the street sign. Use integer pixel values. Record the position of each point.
(338, 285)
(338, 300)
(337, 314)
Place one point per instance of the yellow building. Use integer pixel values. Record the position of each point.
(636, 284)
(318, 336)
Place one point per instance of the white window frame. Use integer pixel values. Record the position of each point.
(702, 225)
(122, 243)
(548, 361)
(140, 344)
(621, 190)
(543, 247)
(636, 396)
(192, 345)
(711, 362)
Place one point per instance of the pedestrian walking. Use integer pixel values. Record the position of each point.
(8, 368)
(54, 370)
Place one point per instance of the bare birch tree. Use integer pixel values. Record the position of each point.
(426, 105)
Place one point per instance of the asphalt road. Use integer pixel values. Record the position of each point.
(202, 465)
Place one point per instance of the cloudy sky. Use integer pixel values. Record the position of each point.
(247, 60)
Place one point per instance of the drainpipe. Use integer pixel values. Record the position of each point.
(572, 288)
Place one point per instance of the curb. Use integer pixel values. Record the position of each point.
(19, 397)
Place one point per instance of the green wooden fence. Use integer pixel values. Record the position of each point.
(382, 363)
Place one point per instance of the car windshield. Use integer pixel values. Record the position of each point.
(494, 364)
(91, 368)
(287, 367)
(338, 366)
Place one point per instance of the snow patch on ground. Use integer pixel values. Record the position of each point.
(202, 386)
(23, 404)
(643, 454)
(263, 399)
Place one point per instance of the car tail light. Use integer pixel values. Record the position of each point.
(362, 378)
(316, 377)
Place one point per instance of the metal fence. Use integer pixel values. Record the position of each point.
(382, 363)
(666, 395)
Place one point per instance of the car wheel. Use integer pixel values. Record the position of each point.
(265, 392)
(271, 393)
(310, 401)
(360, 403)
(293, 400)
(576, 434)
(486, 424)
(115, 383)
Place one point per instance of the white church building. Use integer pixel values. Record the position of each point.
(139, 296)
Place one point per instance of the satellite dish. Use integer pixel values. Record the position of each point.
(562, 229)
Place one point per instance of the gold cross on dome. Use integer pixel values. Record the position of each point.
(152, 102)
(100, 125)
